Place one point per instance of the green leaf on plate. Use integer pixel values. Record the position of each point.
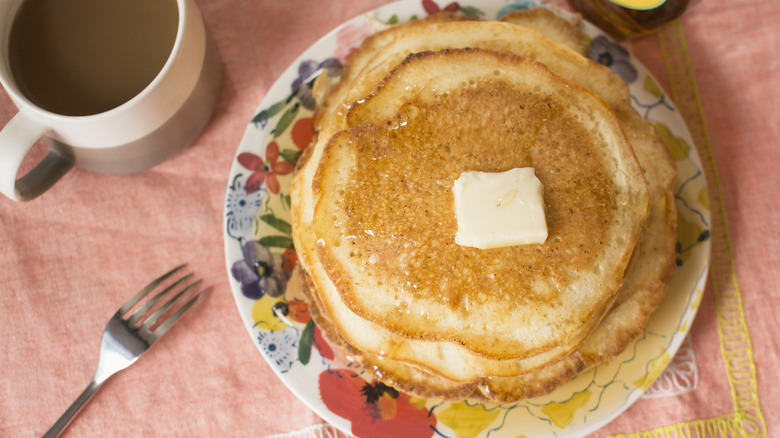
(277, 223)
(283, 242)
(291, 156)
(307, 339)
(286, 119)
(263, 116)
(393, 19)
(471, 11)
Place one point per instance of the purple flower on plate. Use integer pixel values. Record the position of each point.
(613, 55)
(307, 71)
(260, 273)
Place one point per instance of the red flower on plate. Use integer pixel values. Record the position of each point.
(264, 171)
(375, 409)
(289, 260)
(432, 8)
(303, 132)
(298, 311)
(321, 344)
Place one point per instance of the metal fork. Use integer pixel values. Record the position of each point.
(125, 339)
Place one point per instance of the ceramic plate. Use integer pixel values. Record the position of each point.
(260, 259)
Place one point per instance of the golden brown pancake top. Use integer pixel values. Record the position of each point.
(399, 202)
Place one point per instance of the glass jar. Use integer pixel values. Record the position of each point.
(630, 19)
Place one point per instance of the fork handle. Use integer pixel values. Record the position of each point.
(73, 410)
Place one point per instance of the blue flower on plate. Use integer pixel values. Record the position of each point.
(260, 273)
(279, 346)
(241, 208)
(613, 55)
(516, 5)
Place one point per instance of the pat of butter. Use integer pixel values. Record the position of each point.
(499, 209)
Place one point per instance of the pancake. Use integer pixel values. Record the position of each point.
(644, 284)
(410, 363)
(554, 27)
(594, 207)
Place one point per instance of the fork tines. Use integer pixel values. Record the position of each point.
(145, 318)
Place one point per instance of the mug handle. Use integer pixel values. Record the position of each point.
(16, 139)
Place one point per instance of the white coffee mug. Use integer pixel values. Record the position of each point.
(160, 121)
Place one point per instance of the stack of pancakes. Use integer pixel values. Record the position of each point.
(374, 224)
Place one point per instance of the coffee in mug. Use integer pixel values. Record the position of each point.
(115, 86)
(84, 57)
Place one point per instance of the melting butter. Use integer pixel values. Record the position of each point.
(499, 209)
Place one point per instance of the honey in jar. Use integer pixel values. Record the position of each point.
(630, 19)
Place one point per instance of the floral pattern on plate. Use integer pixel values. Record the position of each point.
(261, 258)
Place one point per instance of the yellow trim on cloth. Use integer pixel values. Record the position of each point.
(747, 420)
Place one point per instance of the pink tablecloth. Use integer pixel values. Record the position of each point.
(69, 258)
